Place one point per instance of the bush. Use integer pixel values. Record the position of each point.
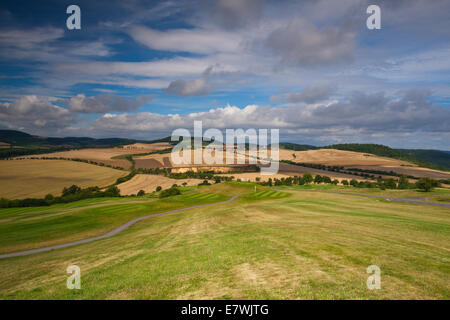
(426, 184)
(112, 191)
(158, 188)
(141, 193)
(326, 179)
(307, 178)
(403, 182)
(73, 189)
(390, 183)
(169, 192)
(344, 182)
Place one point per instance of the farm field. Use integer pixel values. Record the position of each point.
(293, 243)
(411, 171)
(37, 178)
(108, 156)
(334, 157)
(148, 183)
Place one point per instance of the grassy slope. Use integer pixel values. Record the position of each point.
(264, 245)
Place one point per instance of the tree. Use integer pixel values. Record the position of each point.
(335, 181)
(403, 182)
(318, 179)
(270, 182)
(307, 178)
(344, 182)
(158, 188)
(141, 193)
(353, 182)
(112, 191)
(390, 183)
(426, 184)
(169, 192)
(73, 189)
(326, 179)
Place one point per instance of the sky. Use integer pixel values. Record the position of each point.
(312, 69)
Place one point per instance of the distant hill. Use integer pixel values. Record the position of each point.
(434, 159)
(297, 147)
(22, 139)
(439, 158)
(24, 144)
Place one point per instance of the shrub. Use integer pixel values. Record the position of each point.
(73, 189)
(204, 183)
(169, 192)
(403, 182)
(426, 184)
(307, 178)
(326, 179)
(141, 193)
(158, 188)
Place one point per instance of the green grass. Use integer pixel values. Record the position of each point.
(26, 228)
(291, 244)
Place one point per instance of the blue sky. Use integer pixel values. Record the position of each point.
(312, 69)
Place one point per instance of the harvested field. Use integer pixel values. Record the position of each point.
(147, 164)
(165, 159)
(107, 156)
(411, 171)
(37, 178)
(333, 157)
(297, 170)
(147, 147)
(100, 155)
(149, 182)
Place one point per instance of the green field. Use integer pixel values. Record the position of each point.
(278, 243)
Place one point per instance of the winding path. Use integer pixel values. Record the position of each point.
(109, 234)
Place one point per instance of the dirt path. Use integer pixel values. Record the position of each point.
(109, 234)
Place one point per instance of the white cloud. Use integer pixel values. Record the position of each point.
(34, 113)
(188, 40)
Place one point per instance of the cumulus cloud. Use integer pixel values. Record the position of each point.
(106, 103)
(34, 113)
(307, 95)
(197, 87)
(361, 113)
(300, 43)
